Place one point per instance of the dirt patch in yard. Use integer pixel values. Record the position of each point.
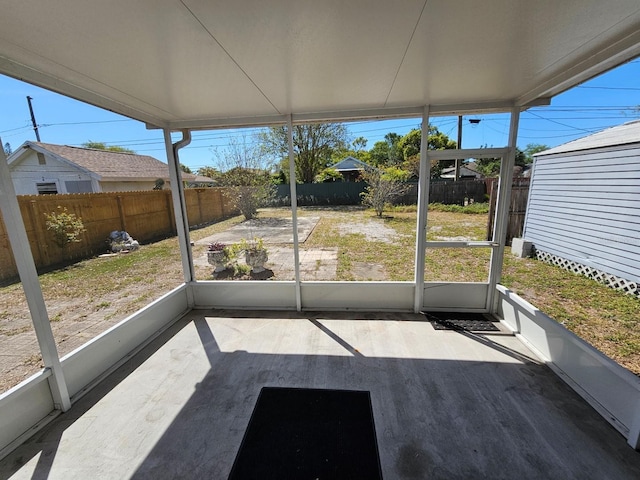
(372, 230)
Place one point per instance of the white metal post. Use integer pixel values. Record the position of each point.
(423, 206)
(179, 207)
(19, 243)
(294, 211)
(502, 211)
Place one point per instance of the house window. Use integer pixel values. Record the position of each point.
(41, 159)
(48, 188)
(78, 186)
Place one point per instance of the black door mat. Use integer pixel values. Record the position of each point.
(468, 322)
(297, 433)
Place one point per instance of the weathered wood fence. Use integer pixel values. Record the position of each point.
(517, 206)
(145, 215)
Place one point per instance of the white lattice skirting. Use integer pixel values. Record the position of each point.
(612, 281)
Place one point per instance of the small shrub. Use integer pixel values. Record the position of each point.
(65, 227)
(382, 190)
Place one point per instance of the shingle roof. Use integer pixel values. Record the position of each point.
(112, 164)
(619, 135)
(350, 164)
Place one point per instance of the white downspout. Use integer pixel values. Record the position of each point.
(19, 243)
(180, 208)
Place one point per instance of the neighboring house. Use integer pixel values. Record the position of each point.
(350, 168)
(44, 168)
(466, 172)
(199, 181)
(583, 206)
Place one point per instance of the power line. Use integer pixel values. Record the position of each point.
(85, 123)
(609, 88)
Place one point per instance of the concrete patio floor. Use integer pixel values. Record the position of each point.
(447, 405)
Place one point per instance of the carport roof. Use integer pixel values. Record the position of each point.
(198, 63)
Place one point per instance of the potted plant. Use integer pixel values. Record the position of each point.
(218, 256)
(255, 254)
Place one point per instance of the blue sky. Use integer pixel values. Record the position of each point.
(608, 100)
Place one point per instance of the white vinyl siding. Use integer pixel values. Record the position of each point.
(584, 206)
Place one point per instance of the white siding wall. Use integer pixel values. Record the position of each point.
(585, 206)
(30, 172)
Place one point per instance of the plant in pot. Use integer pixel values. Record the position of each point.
(218, 255)
(255, 254)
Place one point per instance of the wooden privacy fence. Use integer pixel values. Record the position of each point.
(517, 206)
(146, 216)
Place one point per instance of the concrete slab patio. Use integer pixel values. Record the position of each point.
(271, 230)
(446, 404)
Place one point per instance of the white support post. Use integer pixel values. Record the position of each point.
(502, 211)
(423, 207)
(180, 207)
(294, 211)
(19, 243)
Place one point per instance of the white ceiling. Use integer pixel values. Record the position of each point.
(197, 63)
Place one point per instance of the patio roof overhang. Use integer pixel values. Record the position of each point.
(201, 64)
(195, 64)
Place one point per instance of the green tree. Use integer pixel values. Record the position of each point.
(490, 167)
(185, 169)
(359, 144)
(386, 153)
(328, 175)
(313, 146)
(210, 172)
(531, 149)
(409, 147)
(411, 143)
(103, 146)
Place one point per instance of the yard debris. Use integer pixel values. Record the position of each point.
(121, 242)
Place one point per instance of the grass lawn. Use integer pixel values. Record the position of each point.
(86, 298)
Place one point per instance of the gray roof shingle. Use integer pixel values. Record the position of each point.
(113, 165)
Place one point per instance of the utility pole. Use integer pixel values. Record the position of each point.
(458, 160)
(33, 118)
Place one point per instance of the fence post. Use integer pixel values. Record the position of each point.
(172, 219)
(493, 190)
(36, 224)
(123, 219)
(200, 215)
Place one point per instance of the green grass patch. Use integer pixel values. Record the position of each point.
(472, 208)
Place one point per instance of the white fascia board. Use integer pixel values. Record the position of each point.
(616, 53)
(383, 113)
(16, 157)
